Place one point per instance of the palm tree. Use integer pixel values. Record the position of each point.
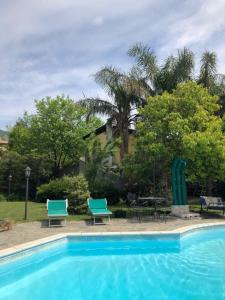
(176, 69)
(146, 68)
(211, 80)
(125, 93)
(207, 76)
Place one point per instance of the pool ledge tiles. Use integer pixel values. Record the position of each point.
(43, 241)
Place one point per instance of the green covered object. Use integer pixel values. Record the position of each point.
(178, 182)
(98, 207)
(57, 209)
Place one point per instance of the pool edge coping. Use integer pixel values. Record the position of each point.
(32, 244)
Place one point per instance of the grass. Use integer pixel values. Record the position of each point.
(37, 211)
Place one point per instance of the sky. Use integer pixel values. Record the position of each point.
(50, 47)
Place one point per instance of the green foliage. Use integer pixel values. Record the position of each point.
(12, 163)
(56, 131)
(126, 94)
(2, 198)
(107, 187)
(20, 136)
(207, 76)
(176, 69)
(74, 188)
(101, 175)
(98, 159)
(3, 134)
(206, 153)
(180, 124)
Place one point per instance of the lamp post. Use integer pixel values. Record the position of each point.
(27, 174)
(9, 187)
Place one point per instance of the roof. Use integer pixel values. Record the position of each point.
(3, 142)
(102, 129)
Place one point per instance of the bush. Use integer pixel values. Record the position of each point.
(120, 213)
(74, 188)
(2, 198)
(108, 190)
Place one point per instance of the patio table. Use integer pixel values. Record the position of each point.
(150, 201)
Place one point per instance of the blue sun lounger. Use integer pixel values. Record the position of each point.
(98, 208)
(57, 210)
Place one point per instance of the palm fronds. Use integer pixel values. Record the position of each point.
(145, 59)
(98, 106)
(207, 76)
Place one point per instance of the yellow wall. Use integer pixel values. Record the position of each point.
(102, 138)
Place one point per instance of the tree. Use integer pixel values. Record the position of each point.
(182, 123)
(56, 130)
(126, 97)
(12, 163)
(97, 167)
(207, 76)
(210, 79)
(157, 79)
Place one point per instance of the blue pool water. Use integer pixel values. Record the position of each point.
(120, 268)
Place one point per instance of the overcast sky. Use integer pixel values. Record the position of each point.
(50, 47)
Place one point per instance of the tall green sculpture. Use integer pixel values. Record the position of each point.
(178, 182)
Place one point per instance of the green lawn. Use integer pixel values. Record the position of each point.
(37, 211)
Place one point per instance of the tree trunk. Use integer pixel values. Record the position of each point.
(125, 141)
(209, 187)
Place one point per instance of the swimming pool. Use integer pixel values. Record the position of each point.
(142, 267)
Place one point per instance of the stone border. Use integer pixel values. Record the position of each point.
(33, 244)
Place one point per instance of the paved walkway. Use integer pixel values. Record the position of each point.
(26, 232)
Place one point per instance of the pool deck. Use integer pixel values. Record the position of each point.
(25, 235)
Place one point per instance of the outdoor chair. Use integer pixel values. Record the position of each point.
(213, 203)
(98, 208)
(139, 206)
(57, 210)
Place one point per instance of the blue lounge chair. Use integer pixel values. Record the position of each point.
(98, 208)
(57, 209)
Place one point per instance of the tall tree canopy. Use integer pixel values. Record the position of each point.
(177, 69)
(125, 94)
(157, 79)
(182, 123)
(129, 91)
(56, 130)
(207, 76)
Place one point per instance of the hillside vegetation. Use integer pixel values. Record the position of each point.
(3, 134)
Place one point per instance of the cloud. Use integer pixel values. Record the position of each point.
(52, 47)
(98, 21)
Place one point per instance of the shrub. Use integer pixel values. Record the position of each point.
(75, 188)
(2, 198)
(106, 189)
(120, 213)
